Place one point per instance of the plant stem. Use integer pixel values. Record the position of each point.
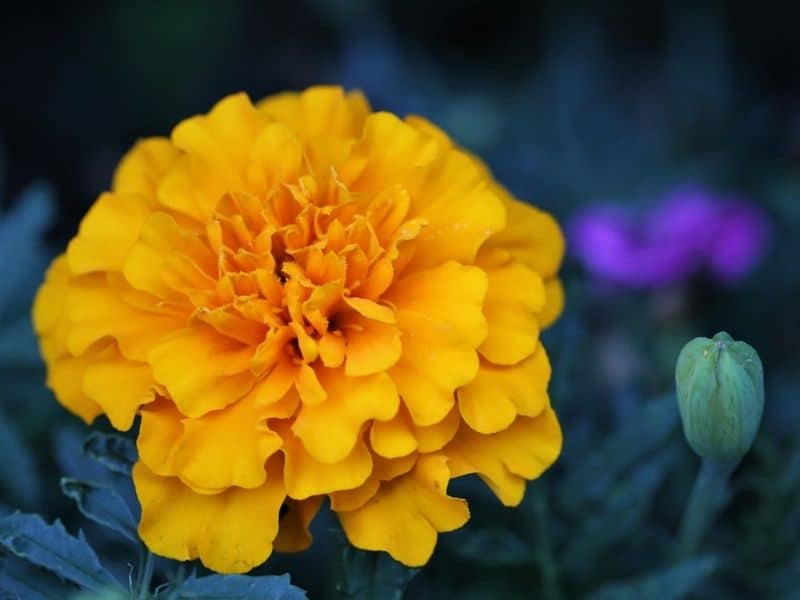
(544, 547)
(709, 495)
(145, 576)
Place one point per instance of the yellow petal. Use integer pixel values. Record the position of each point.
(48, 307)
(355, 498)
(223, 138)
(439, 314)
(226, 447)
(306, 476)
(276, 158)
(231, 532)
(141, 169)
(406, 515)
(507, 459)
(160, 427)
(371, 346)
(329, 431)
(293, 534)
(319, 111)
(119, 387)
(513, 301)
(434, 437)
(491, 401)
(107, 233)
(97, 310)
(393, 438)
(554, 303)
(308, 386)
(65, 378)
(531, 236)
(223, 379)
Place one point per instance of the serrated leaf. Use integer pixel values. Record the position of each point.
(371, 575)
(116, 453)
(238, 587)
(647, 429)
(52, 548)
(18, 472)
(494, 548)
(671, 583)
(20, 579)
(101, 504)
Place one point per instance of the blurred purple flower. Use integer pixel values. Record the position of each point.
(667, 243)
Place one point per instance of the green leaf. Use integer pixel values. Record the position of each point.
(494, 547)
(372, 575)
(101, 504)
(20, 579)
(52, 548)
(238, 587)
(621, 512)
(645, 430)
(116, 453)
(672, 583)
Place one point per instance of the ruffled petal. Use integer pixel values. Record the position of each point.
(506, 460)
(406, 515)
(119, 387)
(531, 236)
(329, 430)
(554, 302)
(440, 317)
(306, 476)
(141, 169)
(107, 233)
(223, 379)
(293, 533)
(491, 401)
(230, 532)
(514, 299)
(319, 111)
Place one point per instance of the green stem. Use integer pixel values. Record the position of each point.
(544, 547)
(709, 496)
(145, 576)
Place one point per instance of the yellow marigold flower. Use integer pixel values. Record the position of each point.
(305, 299)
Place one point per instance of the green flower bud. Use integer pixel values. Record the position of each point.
(720, 386)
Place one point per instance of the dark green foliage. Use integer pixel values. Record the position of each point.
(50, 547)
(369, 575)
(236, 587)
(101, 504)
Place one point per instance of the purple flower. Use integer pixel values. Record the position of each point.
(667, 243)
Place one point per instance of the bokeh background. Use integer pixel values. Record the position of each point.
(575, 106)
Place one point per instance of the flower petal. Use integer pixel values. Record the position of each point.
(513, 301)
(554, 302)
(439, 314)
(406, 515)
(293, 533)
(393, 438)
(223, 378)
(329, 430)
(531, 236)
(119, 387)
(490, 402)
(107, 233)
(371, 346)
(505, 460)
(306, 476)
(231, 532)
(143, 166)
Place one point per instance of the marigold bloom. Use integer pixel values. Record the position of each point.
(304, 299)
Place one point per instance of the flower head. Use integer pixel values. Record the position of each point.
(304, 299)
(685, 232)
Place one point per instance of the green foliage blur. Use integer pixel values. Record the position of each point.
(571, 104)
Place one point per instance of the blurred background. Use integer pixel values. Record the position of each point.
(665, 137)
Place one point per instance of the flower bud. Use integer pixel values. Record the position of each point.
(720, 385)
